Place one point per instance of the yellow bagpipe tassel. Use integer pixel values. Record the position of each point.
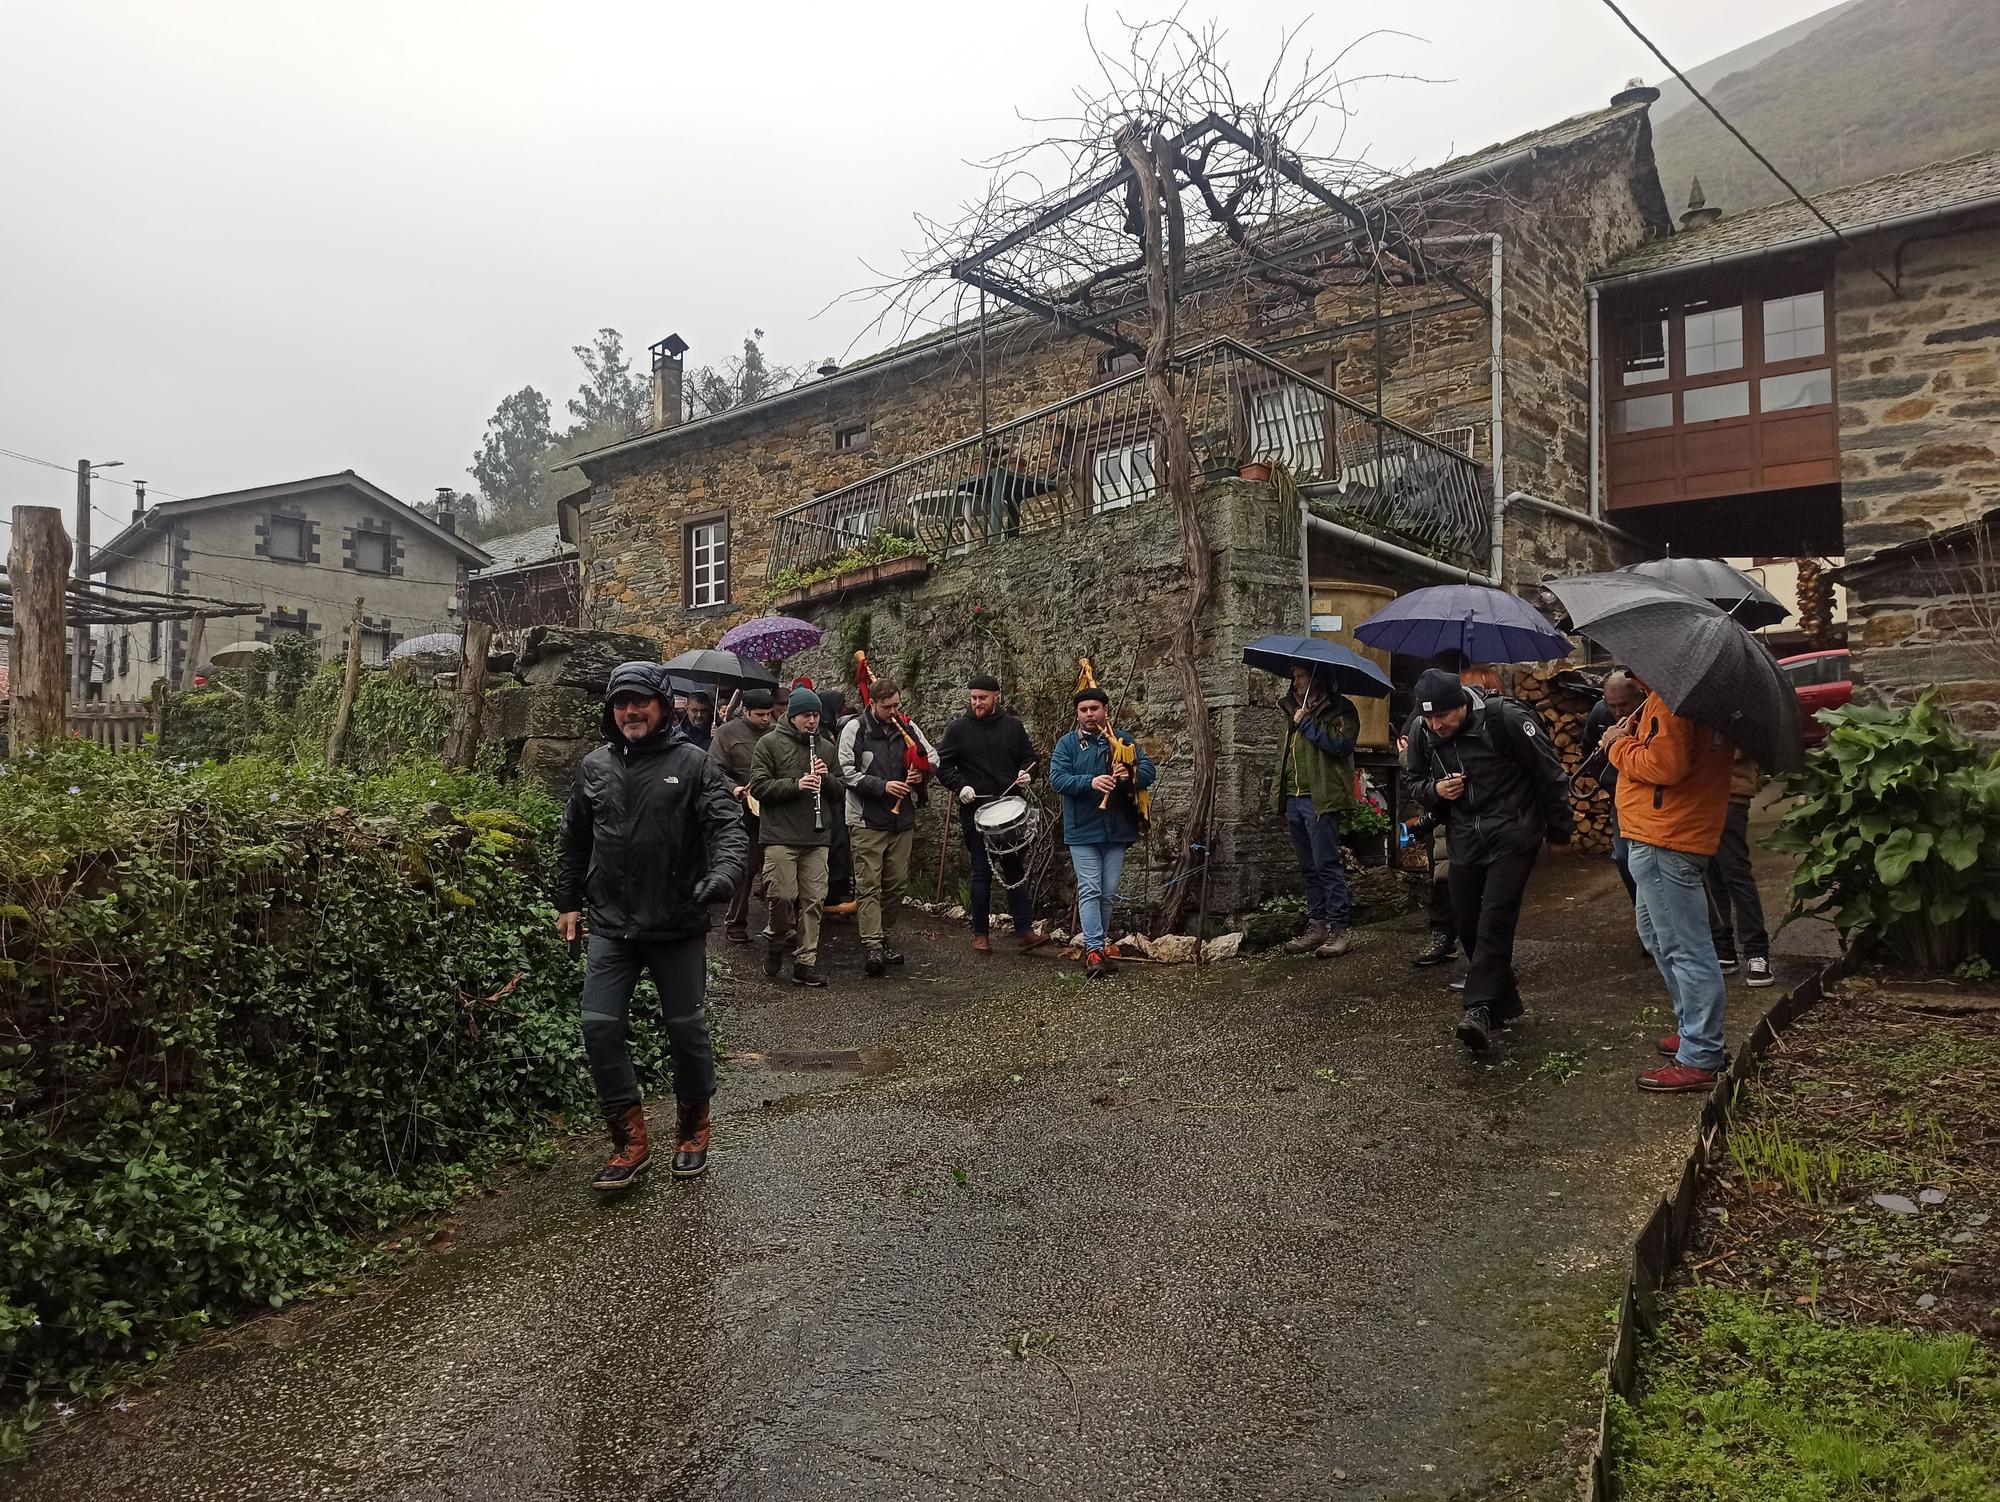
(1122, 750)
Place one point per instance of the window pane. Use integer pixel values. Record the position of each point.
(1639, 413)
(287, 538)
(1288, 423)
(1714, 340)
(1806, 388)
(708, 563)
(1794, 327)
(1642, 349)
(1120, 476)
(1708, 403)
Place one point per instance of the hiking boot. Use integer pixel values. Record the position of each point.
(629, 1150)
(1314, 936)
(1337, 943)
(873, 960)
(845, 909)
(893, 956)
(807, 975)
(981, 944)
(1443, 947)
(774, 959)
(1475, 1029)
(1760, 973)
(1506, 1011)
(1093, 964)
(691, 1140)
(1030, 940)
(1676, 1079)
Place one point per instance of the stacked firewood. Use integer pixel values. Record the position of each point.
(1563, 710)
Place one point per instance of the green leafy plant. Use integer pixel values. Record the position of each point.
(251, 1013)
(880, 548)
(1364, 820)
(1898, 834)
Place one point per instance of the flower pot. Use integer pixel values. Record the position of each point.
(1254, 472)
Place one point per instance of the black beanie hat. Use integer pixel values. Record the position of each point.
(1439, 692)
(1093, 693)
(984, 682)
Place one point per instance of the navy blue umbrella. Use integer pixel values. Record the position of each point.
(1351, 673)
(1486, 624)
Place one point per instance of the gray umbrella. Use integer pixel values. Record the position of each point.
(1720, 584)
(1693, 655)
(724, 669)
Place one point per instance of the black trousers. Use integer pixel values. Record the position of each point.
(1487, 901)
(1444, 922)
(1733, 888)
(679, 968)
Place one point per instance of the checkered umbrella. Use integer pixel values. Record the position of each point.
(770, 638)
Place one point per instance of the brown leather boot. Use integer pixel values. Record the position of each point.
(630, 1152)
(691, 1140)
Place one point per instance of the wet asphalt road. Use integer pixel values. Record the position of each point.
(1261, 1231)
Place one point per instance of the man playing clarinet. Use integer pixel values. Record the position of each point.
(794, 786)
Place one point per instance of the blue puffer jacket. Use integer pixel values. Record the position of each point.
(1074, 762)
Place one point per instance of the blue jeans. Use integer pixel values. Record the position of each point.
(1098, 868)
(1672, 909)
(1316, 839)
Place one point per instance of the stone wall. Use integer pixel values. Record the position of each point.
(1025, 609)
(1930, 618)
(1919, 386)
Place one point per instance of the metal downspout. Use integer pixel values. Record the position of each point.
(1498, 441)
(1596, 414)
(1406, 557)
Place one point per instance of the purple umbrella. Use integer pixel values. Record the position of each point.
(1486, 624)
(770, 638)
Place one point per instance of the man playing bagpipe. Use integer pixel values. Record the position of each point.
(1105, 781)
(885, 760)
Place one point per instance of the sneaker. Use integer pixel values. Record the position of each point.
(1671, 1045)
(1442, 948)
(691, 1140)
(774, 959)
(1675, 1079)
(1457, 985)
(1475, 1029)
(630, 1153)
(981, 944)
(873, 960)
(1727, 963)
(1337, 943)
(1314, 936)
(807, 975)
(1760, 972)
(1093, 964)
(736, 935)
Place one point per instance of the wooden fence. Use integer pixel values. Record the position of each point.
(120, 727)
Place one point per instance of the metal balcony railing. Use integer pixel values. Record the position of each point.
(1099, 452)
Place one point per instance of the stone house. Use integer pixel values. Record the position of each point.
(986, 498)
(533, 580)
(308, 549)
(1770, 388)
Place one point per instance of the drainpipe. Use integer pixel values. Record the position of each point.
(1498, 442)
(1596, 413)
(1405, 557)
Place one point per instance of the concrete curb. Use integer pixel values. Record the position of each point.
(1657, 1252)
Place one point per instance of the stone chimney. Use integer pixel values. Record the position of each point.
(829, 367)
(446, 516)
(1698, 212)
(138, 500)
(1636, 91)
(668, 411)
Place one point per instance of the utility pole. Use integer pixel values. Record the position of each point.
(80, 635)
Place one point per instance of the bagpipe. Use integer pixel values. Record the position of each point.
(916, 765)
(1123, 752)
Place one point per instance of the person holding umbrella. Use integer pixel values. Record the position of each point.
(1315, 787)
(1487, 768)
(1622, 698)
(730, 750)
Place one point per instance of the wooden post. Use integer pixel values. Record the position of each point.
(197, 644)
(464, 747)
(336, 738)
(38, 573)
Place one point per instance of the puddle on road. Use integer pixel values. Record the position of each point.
(864, 1062)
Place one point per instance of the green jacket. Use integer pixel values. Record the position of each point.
(1324, 744)
(780, 760)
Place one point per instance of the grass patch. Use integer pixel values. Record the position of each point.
(1744, 1403)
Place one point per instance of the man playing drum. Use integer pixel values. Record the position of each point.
(987, 755)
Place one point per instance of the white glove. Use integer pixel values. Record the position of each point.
(966, 795)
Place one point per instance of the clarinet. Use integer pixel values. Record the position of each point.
(812, 760)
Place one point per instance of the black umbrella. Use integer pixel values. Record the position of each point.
(1720, 584)
(724, 669)
(1695, 656)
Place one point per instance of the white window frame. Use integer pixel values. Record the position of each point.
(707, 558)
(1122, 473)
(1288, 423)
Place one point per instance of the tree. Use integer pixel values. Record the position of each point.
(742, 381)
(613, 401)
(510, 465)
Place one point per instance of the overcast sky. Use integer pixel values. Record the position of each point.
(251, 242)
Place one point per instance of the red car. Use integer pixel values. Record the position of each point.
(1822, 681)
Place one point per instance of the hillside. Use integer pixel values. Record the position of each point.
(1883, 86)
(1674, 97)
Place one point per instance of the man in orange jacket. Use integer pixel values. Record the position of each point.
(1673, 797)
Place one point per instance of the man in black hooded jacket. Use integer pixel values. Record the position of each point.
(650, 839)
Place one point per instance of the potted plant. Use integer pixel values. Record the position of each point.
(1253, 469)
(1364, 829)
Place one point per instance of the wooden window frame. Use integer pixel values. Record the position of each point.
(688, 529)
(304, 554)
(863, 441)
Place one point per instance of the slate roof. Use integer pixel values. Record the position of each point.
(541, 544)
(1933, 190)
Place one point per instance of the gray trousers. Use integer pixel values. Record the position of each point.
(679, 968)
(1732, 889)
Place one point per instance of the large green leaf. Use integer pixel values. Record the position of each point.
(1900, 851)
(1959, 846)
(1949, 907)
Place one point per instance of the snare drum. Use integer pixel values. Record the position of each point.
(1007, 824)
